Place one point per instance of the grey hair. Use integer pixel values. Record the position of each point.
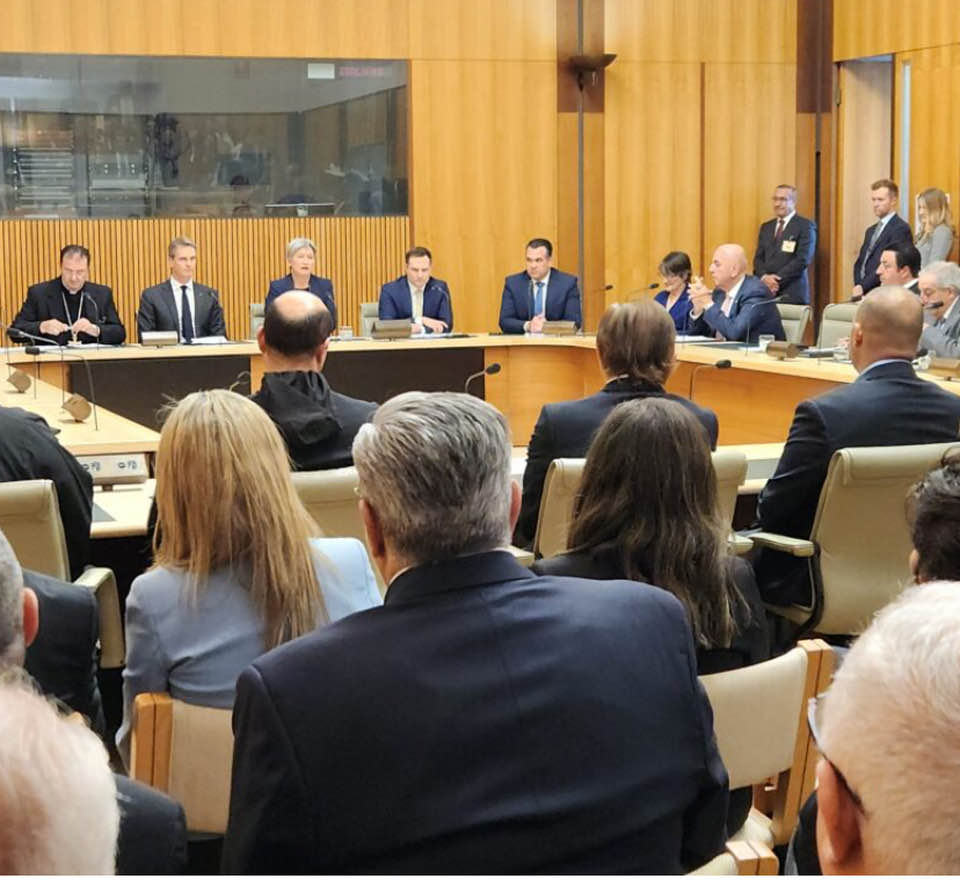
(11, 605)
(946, 275)
(890, 725)
(435, 468)
(298, 243)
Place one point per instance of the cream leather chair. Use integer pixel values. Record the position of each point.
(759, 719)
(185, 751)
(563, 479)
(740, 859)
(835, 323)
(256, 317)
(859, 545)
(795, 320)
(369, 313)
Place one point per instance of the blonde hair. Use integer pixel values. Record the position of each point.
(225, 498)
(938, 212)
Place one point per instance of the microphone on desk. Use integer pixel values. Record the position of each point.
(720, 364)
(492, 369)
(933, 305)
(767, 301)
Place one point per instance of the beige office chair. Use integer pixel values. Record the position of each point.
(835, 323)
(795, 320)
(740, 859)
(185, 751)
(256, 317)
(760, 722)
(563, 479)
(369, 313)
(859, 545)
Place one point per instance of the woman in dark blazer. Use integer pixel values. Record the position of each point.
(302, 258)
(675, 295)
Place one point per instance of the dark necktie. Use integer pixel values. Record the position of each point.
(186, 319)
(779, 233)
(538, 299)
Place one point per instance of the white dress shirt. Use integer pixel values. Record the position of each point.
(177, 300)
(533, 291)
(416, 304)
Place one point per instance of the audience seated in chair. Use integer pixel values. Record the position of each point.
(483, 719)
(317, 424)
(886, 406)
(635, 349)
(48, 628)
(237, 569)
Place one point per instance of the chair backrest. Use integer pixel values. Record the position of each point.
(256, 317)
(185, 751)
(369, 312)
(795, 320)
(563, 480)
(861, 531)
(30, 519)
(835, 323)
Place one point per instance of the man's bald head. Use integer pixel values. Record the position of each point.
(887, 326)
(296, 325)
(729, 265)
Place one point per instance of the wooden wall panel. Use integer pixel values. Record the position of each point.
(863, 29)
(238, 257)
(652, 145)
(702, 30)
(749, 148)
(484, 178)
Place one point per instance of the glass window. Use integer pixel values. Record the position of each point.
(125, 137)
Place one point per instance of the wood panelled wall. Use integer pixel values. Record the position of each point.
(875, 27)
(700, 127)
(237, 257)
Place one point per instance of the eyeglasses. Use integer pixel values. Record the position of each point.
(814, 712)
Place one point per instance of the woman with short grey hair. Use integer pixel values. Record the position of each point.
(302, 259)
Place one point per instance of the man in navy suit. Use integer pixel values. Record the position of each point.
(900, 266)
(889, 230)
(180, 304)
(785, 247)
(539, 293)
(70, 307)
(418, 297)
(740, 308)
(886, 406)
(483, 720)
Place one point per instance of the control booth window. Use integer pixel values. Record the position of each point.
(86, 136)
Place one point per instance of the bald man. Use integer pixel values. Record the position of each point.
(317, 423)
(886, 406)
(739, 308)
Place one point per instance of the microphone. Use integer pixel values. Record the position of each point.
(720, 364)
(492, 369)
(750, 309)
(442, 289)
(933, 305)
(97, 319)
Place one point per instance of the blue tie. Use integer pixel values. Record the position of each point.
(538, 300)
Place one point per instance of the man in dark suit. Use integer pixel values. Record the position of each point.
(51, 629)
(900, 266)
(539, 293)
(740, 308)
(785, 247)
(417, 296)
(180, 304)
(30, 451)
(888, 230)
(886, 406)
(635, 347)
(317, 423)
(69, 307)
(483, 720)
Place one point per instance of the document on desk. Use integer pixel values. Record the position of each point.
(210, 340)
(694, 339)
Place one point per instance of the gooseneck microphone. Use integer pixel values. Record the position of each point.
(750, 308)
(720, 364)
(933, 305)
(492, 369)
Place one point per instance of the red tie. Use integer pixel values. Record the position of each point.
(779, 233)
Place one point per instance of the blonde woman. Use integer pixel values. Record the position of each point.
(934, 227)
(237, 569)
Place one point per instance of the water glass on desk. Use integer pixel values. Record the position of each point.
(763, 341)
(346, 332)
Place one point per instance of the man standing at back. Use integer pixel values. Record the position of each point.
(889, 230)
(886, 406)
(785, 247)
(317, 423)
(538, 294)
(483, 720)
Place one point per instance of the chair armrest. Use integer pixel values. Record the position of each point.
(741, 544)
(524, 558)
(103, 584)
(799, 547)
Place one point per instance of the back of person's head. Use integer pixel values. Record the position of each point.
(907, 256)
(225, 499)
(435, 468)
(58, 804)
(890, 320)
(296, 324)
(11, 606)
(933, 511)
(649, 489)
(889, 728)
(636, 340)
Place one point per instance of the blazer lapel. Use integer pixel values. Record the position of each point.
(170, 301)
